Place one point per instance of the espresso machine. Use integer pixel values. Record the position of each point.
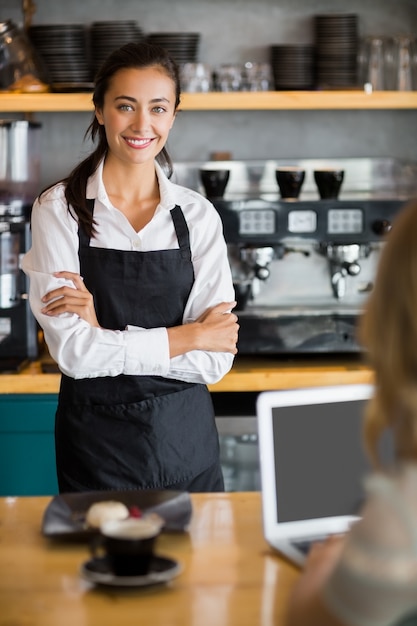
(303, 269)
(19, 179)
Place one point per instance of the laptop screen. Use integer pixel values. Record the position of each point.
(320, 460)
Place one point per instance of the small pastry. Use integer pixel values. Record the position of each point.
(105, 511)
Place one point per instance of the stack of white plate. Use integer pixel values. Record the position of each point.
(336, 39)
(105, 37)
(292, 66)
(182, 47)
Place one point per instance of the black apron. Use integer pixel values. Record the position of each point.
(135, 432)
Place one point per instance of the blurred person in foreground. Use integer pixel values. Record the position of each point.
(369, 577)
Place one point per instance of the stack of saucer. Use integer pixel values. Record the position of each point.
(293, 66)
(106, 37)
(183, 47)
(336, 38)
(64, 51)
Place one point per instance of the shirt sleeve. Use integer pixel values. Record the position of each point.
(375, 582)
(80, 350)
(212, 284)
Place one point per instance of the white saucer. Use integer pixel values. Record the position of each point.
(161, 570)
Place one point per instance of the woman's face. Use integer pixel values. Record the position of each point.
(138, 113)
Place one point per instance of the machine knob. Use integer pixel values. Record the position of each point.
(262, 272)
(353, 269)
(381, 227)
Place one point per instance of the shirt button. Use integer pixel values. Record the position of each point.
(136, 244)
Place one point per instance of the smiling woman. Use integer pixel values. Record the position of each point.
(137, 127)
(131, 284)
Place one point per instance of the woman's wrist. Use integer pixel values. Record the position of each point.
(183, 339)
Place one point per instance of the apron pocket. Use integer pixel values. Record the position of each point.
(153, 443)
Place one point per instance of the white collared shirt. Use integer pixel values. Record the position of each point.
(83, 351)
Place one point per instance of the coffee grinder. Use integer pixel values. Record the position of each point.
(19, 179)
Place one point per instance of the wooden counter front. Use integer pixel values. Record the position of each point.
(230, 577)
(247, 374)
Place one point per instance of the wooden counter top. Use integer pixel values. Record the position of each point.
(247, 374)
(230, 577)
(259, 374)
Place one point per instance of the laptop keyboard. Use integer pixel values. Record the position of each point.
(304, 545)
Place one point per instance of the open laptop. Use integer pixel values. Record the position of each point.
(312, 463)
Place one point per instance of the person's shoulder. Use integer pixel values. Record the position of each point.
(406, 478)
(52, 193)
(51, 199)
(189, 199)
(400, 480)
(193, 196)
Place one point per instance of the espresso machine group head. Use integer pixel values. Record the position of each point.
(303, 270)
(344, 261)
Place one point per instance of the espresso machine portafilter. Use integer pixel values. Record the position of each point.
(344, 261)
(249, 266)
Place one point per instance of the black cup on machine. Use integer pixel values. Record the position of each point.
(214, 182)
(128, 545)
(329, 182)
(290, 180)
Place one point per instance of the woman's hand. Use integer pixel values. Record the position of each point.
(219, 328)
(216, 330)
(68, 300)
(305, 606)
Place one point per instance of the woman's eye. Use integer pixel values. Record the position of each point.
(158, 109)
(125, 107)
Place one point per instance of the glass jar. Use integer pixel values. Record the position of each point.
(21, 70)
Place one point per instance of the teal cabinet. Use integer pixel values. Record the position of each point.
(27, 450)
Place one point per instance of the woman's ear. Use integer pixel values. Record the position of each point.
(99, 116)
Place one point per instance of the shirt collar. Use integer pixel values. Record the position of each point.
(96, 189)
(166, 189)
(95, 186)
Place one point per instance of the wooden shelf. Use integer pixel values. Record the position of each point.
(301, 100)
(214, 101)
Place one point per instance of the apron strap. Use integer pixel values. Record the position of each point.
(180, 225)
(83, 238)
(182, 232)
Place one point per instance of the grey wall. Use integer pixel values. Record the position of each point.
(238, 31)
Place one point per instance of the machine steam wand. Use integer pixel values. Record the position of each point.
(251, 265)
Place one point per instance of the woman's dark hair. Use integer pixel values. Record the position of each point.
(135, 56)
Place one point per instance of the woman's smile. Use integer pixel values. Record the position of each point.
(138, 143)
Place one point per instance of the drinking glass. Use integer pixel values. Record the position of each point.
(403, 60)
(376, 62)
(196, 77)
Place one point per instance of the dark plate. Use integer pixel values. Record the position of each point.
(161, 570)
(64, 517)
(66, 88)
